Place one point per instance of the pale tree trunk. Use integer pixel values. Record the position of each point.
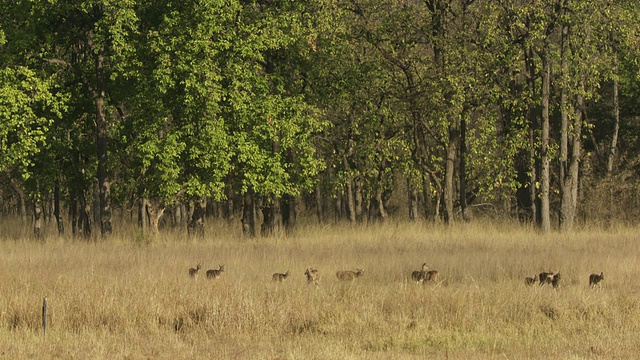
(155, 212)
(104, 185)
(545, 219)
(21, 198)
(533, 124)
(412, 200)
(143, 218)
(37, 218)
(358, 199)
(449, 173)
(462, 175)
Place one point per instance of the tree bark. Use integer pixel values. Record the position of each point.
(449, 185)
(37, 218)
(412, 198)
(545, 219)
(56, 208)
(289, 212)
(196, 223)
(249, 214)
(613, 147)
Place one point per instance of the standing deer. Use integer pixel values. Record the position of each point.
(194, 271)
(215, 273)
(349, 275)
(419, 275)
(530, 280)
(280, 277)
(313, 276)
(594, 279)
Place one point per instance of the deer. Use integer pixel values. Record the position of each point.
(545, 278)
(349, 275)
(530, 280)
(313, 276)
(279, 277)
(215, 273)
(431, 275)
(194, 271)
(594, 279)
(419, 275)
(556, 280)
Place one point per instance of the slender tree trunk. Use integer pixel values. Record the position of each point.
(545, 219)
(533, 125)
(56, 207)
(104, 184)
(613, 147)
(462, 174)
(320, 214)
(21, 199)
(358, 199)
(412, 198)
(449, 184)
(143, 222)
(37, 218)
(565, 215)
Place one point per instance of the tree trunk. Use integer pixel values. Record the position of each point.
(320, 214)
(449, 185)
(272, 216)
(358, 198)
(104, 185)
(545, 219)
(462, 174)
(155, 213)
(613, 147)
(413, 201)
(289, 212)
(143, 218)
(249, 214)
(56, 207)
(37, 218)
(533, 125)
(21, 198)
(196, 223)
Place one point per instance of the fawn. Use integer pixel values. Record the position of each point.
(594, 279)
(280, 277)
(349, 275)
(313, 276)
(212, 274)
(194, 271)
(431, 275)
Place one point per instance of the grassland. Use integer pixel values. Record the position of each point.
(129, 298)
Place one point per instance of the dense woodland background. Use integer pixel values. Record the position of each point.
(261, 112)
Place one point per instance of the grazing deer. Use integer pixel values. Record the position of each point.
(280, 277)
(349, 275)
(313, 276)
(215, 273)
(530, 280)
(545, 278)
(556, 280)
(194, 271)
(419, 275)
(594, 279)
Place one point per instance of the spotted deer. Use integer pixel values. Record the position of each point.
(279, 277)
(594, 279)
(215, 273)
(194, 271)
(530, 280)
(419, 275)
(349, 275)
(313, 276)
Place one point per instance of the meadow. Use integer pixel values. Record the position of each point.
(130, 297)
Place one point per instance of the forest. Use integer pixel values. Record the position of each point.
(170, 113)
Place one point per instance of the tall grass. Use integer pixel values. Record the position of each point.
(132, 297)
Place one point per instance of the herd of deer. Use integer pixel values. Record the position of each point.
(554, 279)
(419, 276)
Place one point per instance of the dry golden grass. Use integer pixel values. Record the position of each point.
(129, 298)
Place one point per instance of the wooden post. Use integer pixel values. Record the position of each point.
(44, 316)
